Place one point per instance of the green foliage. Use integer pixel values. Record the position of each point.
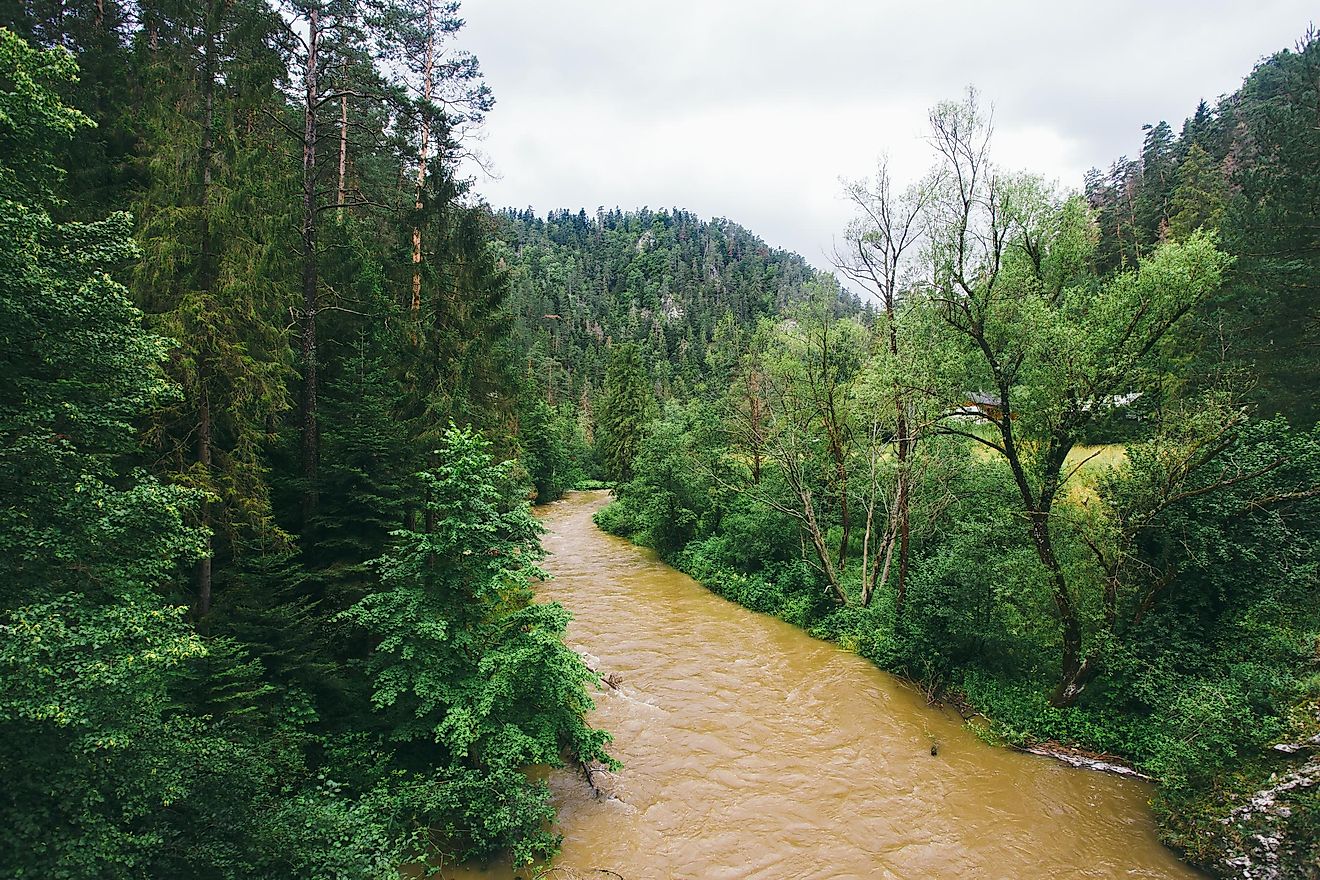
(1247, 168)
(92, 747)
(977, 596)
(663, 280)
(554, 450)
(366, 461)
(1199, 195)
(467, 665)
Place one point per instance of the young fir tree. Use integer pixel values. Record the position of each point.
(1199, 196)
(471, 676)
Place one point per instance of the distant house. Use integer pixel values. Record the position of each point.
(980, 405)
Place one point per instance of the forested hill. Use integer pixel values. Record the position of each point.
(664, 280)
(1249, 167)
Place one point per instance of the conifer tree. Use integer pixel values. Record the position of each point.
(1158, 170)
(1199, 196)
(626, 404)
(470, 674)
(209, 270)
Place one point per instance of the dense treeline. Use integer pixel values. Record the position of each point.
(267, 561)
(1069, 474)
(1245, 167)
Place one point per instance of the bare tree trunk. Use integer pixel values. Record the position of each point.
(834, 430)
(204, 441)
(845, 516)
(875, 573)
(428, 72)
(904, 536)
(1075, 673)
(879, 574)
(869, 559)
(755, 422)
(822, 551)
(903, 450)
(310, 440)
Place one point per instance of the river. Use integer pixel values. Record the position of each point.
(751, 750)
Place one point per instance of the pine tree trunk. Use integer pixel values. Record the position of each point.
(310, 439)
(343, 155)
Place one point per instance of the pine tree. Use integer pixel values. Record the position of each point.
(470, 675)
(1157, 182)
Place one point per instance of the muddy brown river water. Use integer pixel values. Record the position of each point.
(751, 750)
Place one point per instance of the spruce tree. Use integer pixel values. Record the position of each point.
(1199, 196)
(209, 274)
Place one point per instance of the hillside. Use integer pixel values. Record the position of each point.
(661, 279)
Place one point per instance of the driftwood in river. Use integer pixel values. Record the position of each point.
(599, 778)
(592, 662)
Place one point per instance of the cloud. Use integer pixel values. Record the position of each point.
(753, 109)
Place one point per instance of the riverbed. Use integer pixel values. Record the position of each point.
(751, 750)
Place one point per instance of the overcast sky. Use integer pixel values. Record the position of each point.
(753, 109)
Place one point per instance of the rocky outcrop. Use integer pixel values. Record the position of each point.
(1272, 834)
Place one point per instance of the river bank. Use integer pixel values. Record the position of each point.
(1246, 826)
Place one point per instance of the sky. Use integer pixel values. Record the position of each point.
(755, 110)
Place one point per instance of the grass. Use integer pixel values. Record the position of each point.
(1090, 461)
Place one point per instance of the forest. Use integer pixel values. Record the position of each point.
(281, 390)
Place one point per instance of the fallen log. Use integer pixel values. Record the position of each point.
(1082, 760)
